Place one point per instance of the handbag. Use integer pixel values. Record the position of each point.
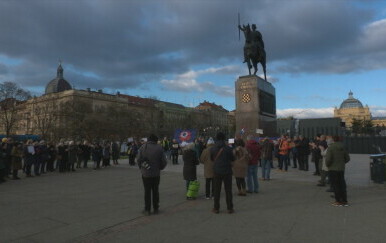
(193, 188)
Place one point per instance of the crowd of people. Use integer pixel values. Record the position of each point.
(35, 158)
(222, 161)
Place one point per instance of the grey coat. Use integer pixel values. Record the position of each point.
(154, 153)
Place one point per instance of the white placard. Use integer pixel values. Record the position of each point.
(130, 140)
(231, 140)
(31, 149)
(259, 131)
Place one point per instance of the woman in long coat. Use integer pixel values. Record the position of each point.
(240, 166)
(190, 162)
(208, 168)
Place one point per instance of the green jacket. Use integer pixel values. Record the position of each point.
(336, 157)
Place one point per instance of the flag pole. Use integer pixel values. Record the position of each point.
(238, 17)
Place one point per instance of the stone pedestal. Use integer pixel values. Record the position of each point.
(255, 107)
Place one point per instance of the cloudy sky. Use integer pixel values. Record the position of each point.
(189, 51)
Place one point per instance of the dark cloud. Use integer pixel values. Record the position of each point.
(126, 44)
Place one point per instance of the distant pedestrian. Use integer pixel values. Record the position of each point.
(222, 155)
(72, 155)
(151, 160)
(174, 151)
(266, 158)
(208, 168)
(190, 163)
(303, 153)
(115, 152)
(96, 154)
(17, 160)
(240, 166)
(336, 159)
(254, 151)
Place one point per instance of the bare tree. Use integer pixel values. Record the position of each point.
(45, 119)
(11, 95)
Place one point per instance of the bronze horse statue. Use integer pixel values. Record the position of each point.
(254, 52)
(253, 59)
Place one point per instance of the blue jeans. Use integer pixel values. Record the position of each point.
(252, 182)
(266, 168)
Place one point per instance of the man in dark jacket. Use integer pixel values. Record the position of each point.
(303, 153)
(222, 156)
(151, 160)
(336, 159)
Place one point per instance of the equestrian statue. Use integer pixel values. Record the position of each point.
(254, 52)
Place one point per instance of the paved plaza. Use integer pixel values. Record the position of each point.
(105, 206)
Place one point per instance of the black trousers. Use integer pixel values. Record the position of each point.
(240, 182)
(208, 185)
(217, 183)
(151, 185)
(295, 159)
(339, 185)
(317, 161)
(303, 162)
(175, 159)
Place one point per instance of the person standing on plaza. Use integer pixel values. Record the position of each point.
(208, 168)
(295, 153)
(2, 164)
(240, 165)
(266, 158)
(96, 154)
(29, 159)
(78, 155)
(106, 155)
(315, 154)
(151, 160)
(284, 149)
(222, 156)
(132, 152)
(323, 146)
(115, 152)
(198, 147)
(17, 159)
(85, 153)
(62, 156)
(190, 163)
(174, 150)
(8, 145)
(72, 155)
(254, 150)
(165, 143)
(336, 159)
(303, 153)
(52, 154)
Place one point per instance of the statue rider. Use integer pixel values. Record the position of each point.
(254, 43)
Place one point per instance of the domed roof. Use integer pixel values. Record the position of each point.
(58, 84)
(351, 102)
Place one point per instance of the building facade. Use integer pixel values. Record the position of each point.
(63, 112)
